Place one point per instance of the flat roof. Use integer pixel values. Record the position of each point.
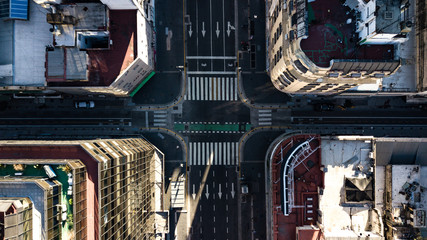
(89, 16)
(30, 41)
(23, 46)
(402, 174)
(341, 159)
(103, 66)
(402, 151)
(330, 37)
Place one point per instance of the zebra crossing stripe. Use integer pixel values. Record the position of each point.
(237, 154)
(216, 154)
(214, 88)
(228, 153)
(190, 154)
(193, 88)
(198, 153)
(206, 93)
(212, 153)
(235, 89)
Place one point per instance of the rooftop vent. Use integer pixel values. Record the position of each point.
(388, 15)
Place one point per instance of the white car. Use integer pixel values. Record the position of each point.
(88, 104)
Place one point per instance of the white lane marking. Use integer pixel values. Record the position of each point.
(219, 154)
(200, 207)
(228, 153)
(202, 90)
(237, 153)
(226, 219)
(227, 89)
(264, 119)
(225, 153)
(193, 88)
(214, 88)
(206, 93)
(235, 89)
(207, 154)
(216, 154)
(190, 154)
(212, 151)
(264, 123)
(264, 111)
(198, 153)
(197, 88)
(264, 115)
(159, 120)
(214, 219)
(226, 207)
(159, 124)
(203, 154)
(200, 218)
(146, 119)
(222, 88)
(214, 207)
(210, 88)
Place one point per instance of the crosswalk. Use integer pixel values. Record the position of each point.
(160, 118)
(211, 88)
(213, 153)
(264, 117)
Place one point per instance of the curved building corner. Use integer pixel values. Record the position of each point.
(327, 47)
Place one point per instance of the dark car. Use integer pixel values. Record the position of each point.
(324, 107)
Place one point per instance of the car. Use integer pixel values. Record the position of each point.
(84, 104)
(324, 107)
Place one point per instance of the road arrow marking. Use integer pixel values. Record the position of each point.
(217, 29)
(219, 193)
(232, 190)
(207, 191)
(194, 192)
(229, 28)
(190, 31)
(203, 29)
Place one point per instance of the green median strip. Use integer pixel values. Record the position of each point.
(211, 127)
(142, 84)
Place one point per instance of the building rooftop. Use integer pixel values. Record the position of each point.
(307, 178)
(331, 36)
(86, 45)
(346, 159)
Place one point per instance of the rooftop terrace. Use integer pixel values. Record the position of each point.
(330, 36)
(307, 178)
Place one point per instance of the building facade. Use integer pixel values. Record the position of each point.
(327, 47)
(104, 189)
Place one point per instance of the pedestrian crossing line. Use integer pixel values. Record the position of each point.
(264, 117)
(160, 118)
(212, 153)
(211, 89)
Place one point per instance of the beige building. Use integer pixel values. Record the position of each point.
(103, 189)
(327, 47)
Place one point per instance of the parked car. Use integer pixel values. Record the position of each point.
(324, 107)
(84, 104)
